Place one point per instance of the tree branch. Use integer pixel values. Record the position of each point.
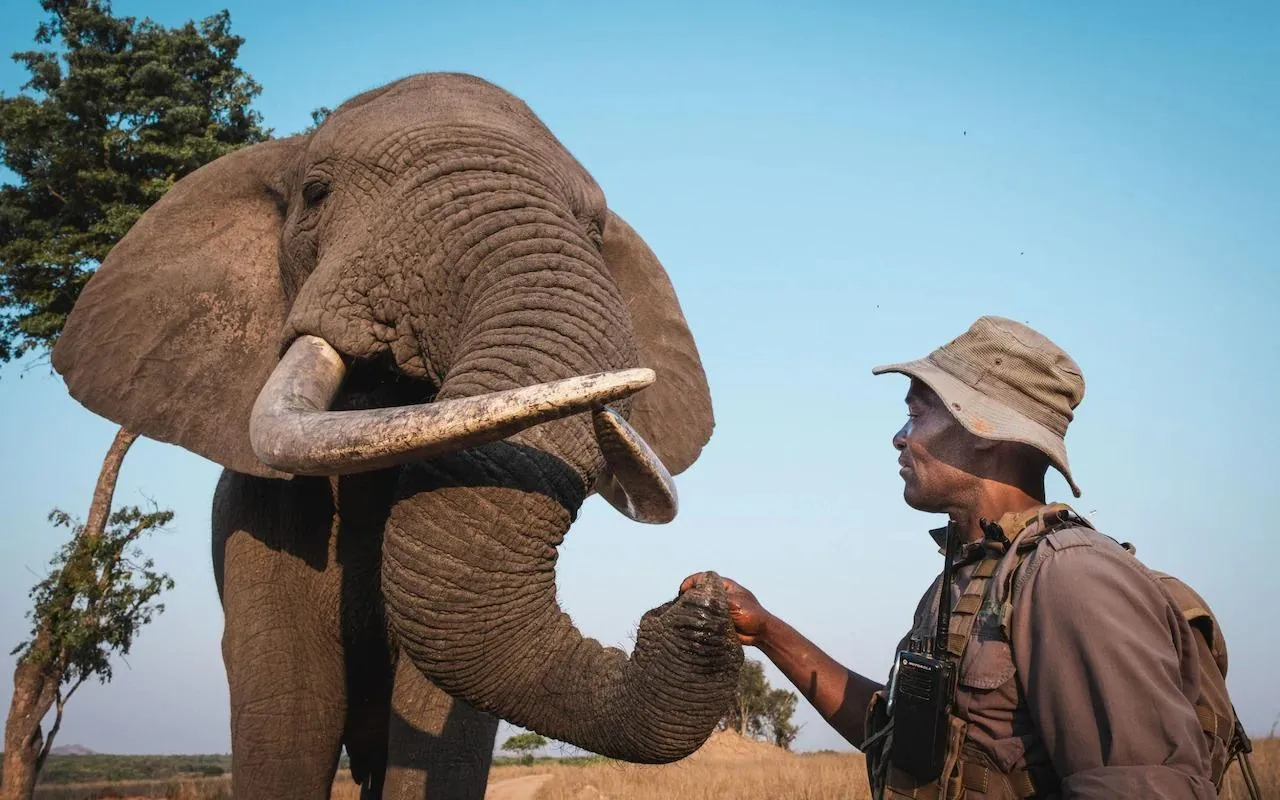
(100, 508)
(65, 697)
(60, 703)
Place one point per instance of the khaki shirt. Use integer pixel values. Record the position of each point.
(1098, 677)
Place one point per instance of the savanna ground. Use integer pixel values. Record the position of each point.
(727, 767)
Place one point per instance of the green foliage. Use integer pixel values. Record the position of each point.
(746, 714)
(779, 707)
(112, 768)
(99, 593)
(318, 117)
(116, 110)
(560, 761)
(760, 711)
(525, 743)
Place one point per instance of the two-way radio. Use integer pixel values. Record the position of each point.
(922, 691)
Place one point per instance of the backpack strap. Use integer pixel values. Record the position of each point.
(1239, 750)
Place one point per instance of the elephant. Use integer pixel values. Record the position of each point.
(417, 340)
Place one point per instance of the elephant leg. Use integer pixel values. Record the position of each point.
(439, 747)
(281, 639)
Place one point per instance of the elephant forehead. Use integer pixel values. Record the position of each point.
(445, 99)
(419, 117)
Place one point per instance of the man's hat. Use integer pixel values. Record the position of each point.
(1003, 380)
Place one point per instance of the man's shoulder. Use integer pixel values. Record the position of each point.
(1083, 556)
(1072, 536)
(1081, 590)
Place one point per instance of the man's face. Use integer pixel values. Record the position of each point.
(934, 453)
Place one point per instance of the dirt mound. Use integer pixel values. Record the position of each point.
(730, 746)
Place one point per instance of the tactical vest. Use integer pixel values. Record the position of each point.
(965, 771)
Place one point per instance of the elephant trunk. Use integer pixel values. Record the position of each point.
(469, 580)
(471, 543)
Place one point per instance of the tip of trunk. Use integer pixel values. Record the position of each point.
(683, 672)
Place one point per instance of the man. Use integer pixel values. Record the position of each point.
(1076, 674)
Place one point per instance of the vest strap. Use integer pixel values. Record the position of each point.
(978, 778)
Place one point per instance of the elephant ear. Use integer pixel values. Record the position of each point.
(178, 329)
(674, 414)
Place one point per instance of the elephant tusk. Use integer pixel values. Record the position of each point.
(292, 430)
(636, 481)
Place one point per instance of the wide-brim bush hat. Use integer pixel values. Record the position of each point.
(1003, 380)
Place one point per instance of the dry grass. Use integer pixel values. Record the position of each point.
(808, 777)
(1266, 767)
(508, 771)
(727, 767)
(346, 789)
(184, 789)
(805, 777)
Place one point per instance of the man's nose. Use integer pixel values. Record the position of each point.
(900, 438)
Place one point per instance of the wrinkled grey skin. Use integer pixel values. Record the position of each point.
(438, 236)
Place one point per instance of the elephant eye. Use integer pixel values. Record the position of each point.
(314, 192)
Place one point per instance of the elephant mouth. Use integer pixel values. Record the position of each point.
(377, 382)
(316, 415)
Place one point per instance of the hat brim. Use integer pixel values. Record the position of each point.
(984, 417)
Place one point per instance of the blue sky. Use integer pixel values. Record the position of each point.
(830, 186)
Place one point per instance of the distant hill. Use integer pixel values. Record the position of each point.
(72, 750)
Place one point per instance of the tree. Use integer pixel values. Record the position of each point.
(98, 594)
(760, 711)
(102, 130)
(116, 110)
(779, 706)
(525, 743)
(318, 116)
(746, 714)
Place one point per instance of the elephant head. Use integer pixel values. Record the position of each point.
(429, 282)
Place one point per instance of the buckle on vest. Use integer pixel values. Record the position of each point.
(993, 536)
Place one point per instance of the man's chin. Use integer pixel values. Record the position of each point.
(913, 499)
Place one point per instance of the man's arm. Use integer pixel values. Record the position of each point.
(840, 695)
(1106, 663)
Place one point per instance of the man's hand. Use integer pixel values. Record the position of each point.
(840, 695)
(750, 619)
